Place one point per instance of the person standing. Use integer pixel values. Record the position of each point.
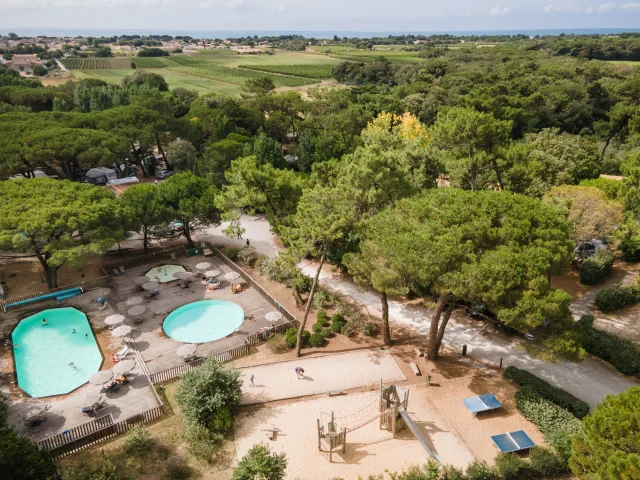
(253, 377)
(300, 372)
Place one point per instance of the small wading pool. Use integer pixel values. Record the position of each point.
(203, 321)
(44, 352)
(164, 273)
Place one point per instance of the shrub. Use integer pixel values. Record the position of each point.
(321, 315)
(480, 471)
(349, 329)
(369, 328)
(337, 317)
(248, 256)
(548, 417)
(21, 459)
(177, 468)
(317, 327)
(337, 326)
(316, 340)
(596, 268)
(547, 391)
(614, 298)
(138, 442)
(545, 463)
(207, 394)
(291, 337)
(259, 462)
(232, 253)
(511, 467)
(221, 420)
(277, 344)
(326, 332)
(620, 353)
(201, 442)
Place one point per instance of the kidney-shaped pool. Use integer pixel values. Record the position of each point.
(203, 321)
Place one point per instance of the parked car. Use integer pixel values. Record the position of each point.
(164, 174)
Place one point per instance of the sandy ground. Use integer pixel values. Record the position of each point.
(369, 450)
(276, 381)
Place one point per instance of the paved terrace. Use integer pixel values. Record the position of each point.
(157, 349)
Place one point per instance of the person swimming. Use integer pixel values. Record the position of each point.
(74, 331)
(44, 322)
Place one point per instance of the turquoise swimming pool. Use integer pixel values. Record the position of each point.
(44, 352)
(164, 273)
(203, 321)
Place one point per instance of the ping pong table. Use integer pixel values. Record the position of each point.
(482, 403)
(513, 441)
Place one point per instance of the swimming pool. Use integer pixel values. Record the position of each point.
(164, 273)
(203, 321)
(43, 353)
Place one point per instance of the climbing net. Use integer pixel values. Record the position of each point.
(354, 420)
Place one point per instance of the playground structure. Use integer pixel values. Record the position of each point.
(391, 411)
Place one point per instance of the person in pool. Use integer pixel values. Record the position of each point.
(74, 331)
(44, 322)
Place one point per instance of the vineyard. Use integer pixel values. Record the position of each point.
(239, 76)
(91, 63)
(186, 61)
(150, 62)
(318, 71)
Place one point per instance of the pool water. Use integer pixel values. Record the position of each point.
(43, 352)
(203, 321)
(164, 273)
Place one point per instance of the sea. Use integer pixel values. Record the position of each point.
(319, 34)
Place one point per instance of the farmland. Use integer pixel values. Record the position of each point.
(319, 71)
(91, 63)
(238, 76)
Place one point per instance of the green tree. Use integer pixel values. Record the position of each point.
(260, 86)
(438, 241)
(260, 463)
(153, 80)
(609, 445)
(143, 210)
(58, 221)
(267, 150)
(209, 393)
(21, 459)
(217, 157)
(191, 200)
(181, 154)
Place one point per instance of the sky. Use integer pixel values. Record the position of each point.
(333, 15)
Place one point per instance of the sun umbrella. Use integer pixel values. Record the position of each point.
(150, 285)
(121, 331)
(140, 280)
(91, 398)
(273, 316)
(186, 350)
(101, 292)
(232, 276)
(203, 265)
(124, 366)
(183, 275)
(114, 319)
(212, 273)
(100, 377)
(137, 310)
(134, 301)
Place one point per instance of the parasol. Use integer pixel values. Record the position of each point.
(121, 331)
(186, 350)
(273, 316)
(124, 366)
(114, 319)
(100, 377)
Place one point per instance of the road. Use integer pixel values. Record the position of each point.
(590, 380)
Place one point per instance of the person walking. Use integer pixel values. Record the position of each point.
(253, 377)
(300, 372)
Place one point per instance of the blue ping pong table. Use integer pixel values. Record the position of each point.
(513, 441)
(482, 403)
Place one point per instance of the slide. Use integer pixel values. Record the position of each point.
(414, 428)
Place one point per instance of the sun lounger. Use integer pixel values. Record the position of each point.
(482, 403)
(513, 441)
(123, 351)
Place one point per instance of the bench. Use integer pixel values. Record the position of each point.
(418, 351)
(415, 368)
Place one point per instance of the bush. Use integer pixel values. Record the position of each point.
(548, 417)
(221, 420)
(545, 463)
(232, 253)
(337, 317)
(321, 315)
(547, 391)
(201, 442)
(369, 329)
(21, 459)
(278, 344)
(316, 340)
(596, 268)
(480, 471)
(138, 442)
(511, 467)
(177, 468)
(326, 332)
(207, 394)
(614, 298)
(291, 337)
(620, 353)
(337, 326)
(317, 327)
(349, 329)
(259, 462)
(248, 256)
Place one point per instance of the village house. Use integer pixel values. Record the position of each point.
(27, 62)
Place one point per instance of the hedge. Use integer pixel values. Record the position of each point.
(620, 353)
(596, 268)
(614, 298)
(556, 395)
(291, 337)
(548, 417)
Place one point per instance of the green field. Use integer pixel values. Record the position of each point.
(308, 71)
(239, 76)
(98, 63)
(280, 58)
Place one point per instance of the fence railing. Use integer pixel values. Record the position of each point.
(75, 433)
(264, 335)
(86, 285)
(142, 259)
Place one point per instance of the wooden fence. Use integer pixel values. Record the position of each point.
(86, 285)
(75, 433)
(264, 335)
(142, 259)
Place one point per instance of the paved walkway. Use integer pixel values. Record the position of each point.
(276, 381)
(257, 231)
(590, 380)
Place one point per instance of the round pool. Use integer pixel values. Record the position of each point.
(203, 321)
(164, 273)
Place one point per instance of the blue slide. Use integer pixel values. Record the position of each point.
(414, 428)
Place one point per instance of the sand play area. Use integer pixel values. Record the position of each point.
(326, 373)
(369, 450)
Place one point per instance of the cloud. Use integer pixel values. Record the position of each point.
(88, 4)
(631, 7)
(498, 11)
(606, 7)
(567, 8)
(278, 8)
